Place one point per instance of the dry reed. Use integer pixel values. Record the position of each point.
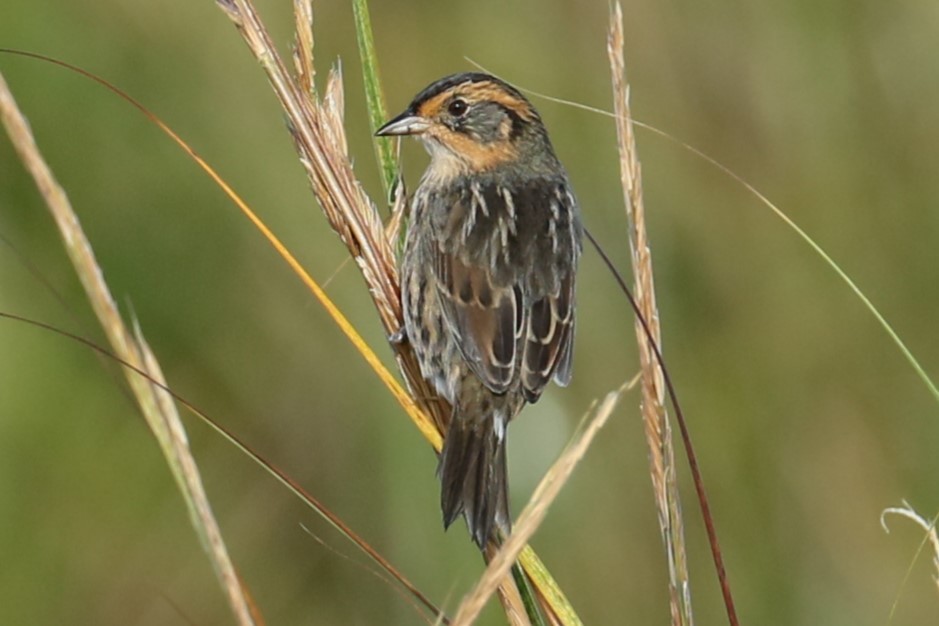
(928, 526)
(655, 417)
(155, 402)
(534, 512)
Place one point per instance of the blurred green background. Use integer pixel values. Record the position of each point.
(807, 420)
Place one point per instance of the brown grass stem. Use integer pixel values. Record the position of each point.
(533, 514)
(655, 416)
(655, 373)
(155, 404)
(331, 518)
(930, 537)
(685, 434)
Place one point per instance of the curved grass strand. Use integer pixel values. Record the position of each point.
(894, 336)
(423, 423)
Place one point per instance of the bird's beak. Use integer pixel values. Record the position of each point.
(405, 124)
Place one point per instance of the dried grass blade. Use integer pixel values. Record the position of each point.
(303, 46)
(399, 207)
(930, 537)
(334, 102)
(331, 518)
(158, 409)
(657, 428)
(429, 425)
(533, 515)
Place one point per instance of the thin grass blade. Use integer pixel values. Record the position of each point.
(158, 410)
(655, 417)
(533, 514)
(374, 97)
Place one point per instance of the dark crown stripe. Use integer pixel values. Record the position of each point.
(449, 82)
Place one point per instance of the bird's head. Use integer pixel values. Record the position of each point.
(474, 122)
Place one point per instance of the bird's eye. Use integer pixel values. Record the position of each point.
(457, 107)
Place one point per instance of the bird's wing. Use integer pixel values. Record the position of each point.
(549, 340)
(483, 316)
(511, 319)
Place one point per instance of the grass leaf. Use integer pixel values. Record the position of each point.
(156, 406)
(374, 97)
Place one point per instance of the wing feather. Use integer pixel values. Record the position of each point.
(505, 265)
(482, 316)
(549, 340)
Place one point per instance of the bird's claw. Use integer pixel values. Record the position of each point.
(398, 337)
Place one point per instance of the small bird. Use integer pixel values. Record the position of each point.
(487, 277)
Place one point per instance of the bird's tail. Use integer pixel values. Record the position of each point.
(472, 474)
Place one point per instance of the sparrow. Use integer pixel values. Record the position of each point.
(487, 277)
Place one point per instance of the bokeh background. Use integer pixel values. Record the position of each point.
(808, 421)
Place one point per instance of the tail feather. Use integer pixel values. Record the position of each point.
(472, 474)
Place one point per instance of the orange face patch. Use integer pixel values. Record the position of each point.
(474, 155)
